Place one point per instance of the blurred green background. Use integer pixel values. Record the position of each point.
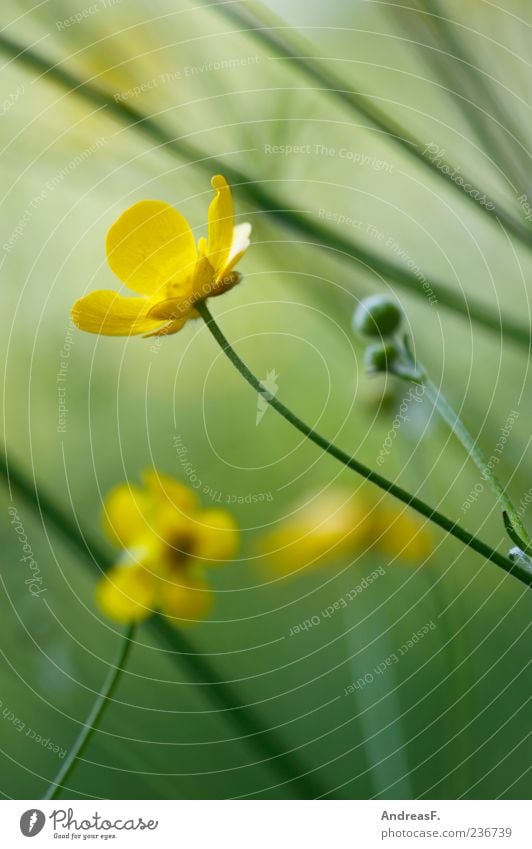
(451, 719)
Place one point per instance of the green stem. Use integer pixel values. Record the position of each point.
(274, 34)
(271, 750)
(319, 235)
(518, 569)
(96, 713)
(477, 455)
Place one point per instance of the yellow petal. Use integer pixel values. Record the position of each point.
(186, 599)
(111, 314)
(400, 534)
(215, 536)
(127, 512)
(326, 527)
(170, 327)
(127, 594)
(151, 245)
(173, 309)
(220, 224)
(164, 489)
(239, 246)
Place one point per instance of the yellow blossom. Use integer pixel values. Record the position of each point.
(152, 250)
(402, 534)
(327, 525)
(339, 524)
(167, 540)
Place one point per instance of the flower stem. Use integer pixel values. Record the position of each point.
(269, 748)
(519, 570)
(268, 202)
(461, 432)
(96, 713)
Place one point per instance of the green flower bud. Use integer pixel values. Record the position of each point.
(377, 315)
(380, 357)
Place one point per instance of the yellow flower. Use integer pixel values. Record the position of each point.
(152, 250)
(401, 534)
(337, 524)
(327, 525)
(167, 540)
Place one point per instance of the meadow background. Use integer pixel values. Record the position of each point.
(451, 718)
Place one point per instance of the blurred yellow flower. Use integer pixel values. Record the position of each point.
(152, 250)
(166, 539)
(402, 534)
(338, 524)
(326, 525)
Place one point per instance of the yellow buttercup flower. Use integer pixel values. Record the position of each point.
(152, 250)
(327, 525)
(402, 534)
(167, 540)
(338, 524)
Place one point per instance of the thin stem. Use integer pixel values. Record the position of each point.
(475, 452)
(300, 223)
(275, 34)
(519, 570)
(270, 749)
(103, 699)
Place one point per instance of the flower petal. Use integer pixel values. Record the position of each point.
(164, 489)
(239, 246)
(170, 327)
(127, 514)
(151, 245)
(186, 599)
(401, 535)
(215, 536)
(220, 224)
(111, 314)
(127, 593)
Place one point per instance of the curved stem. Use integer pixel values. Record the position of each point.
(96, 713)
(477, 455)
(519, 570)
(269, 203)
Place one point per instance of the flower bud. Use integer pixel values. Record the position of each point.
(377, 315)
(380, 357)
